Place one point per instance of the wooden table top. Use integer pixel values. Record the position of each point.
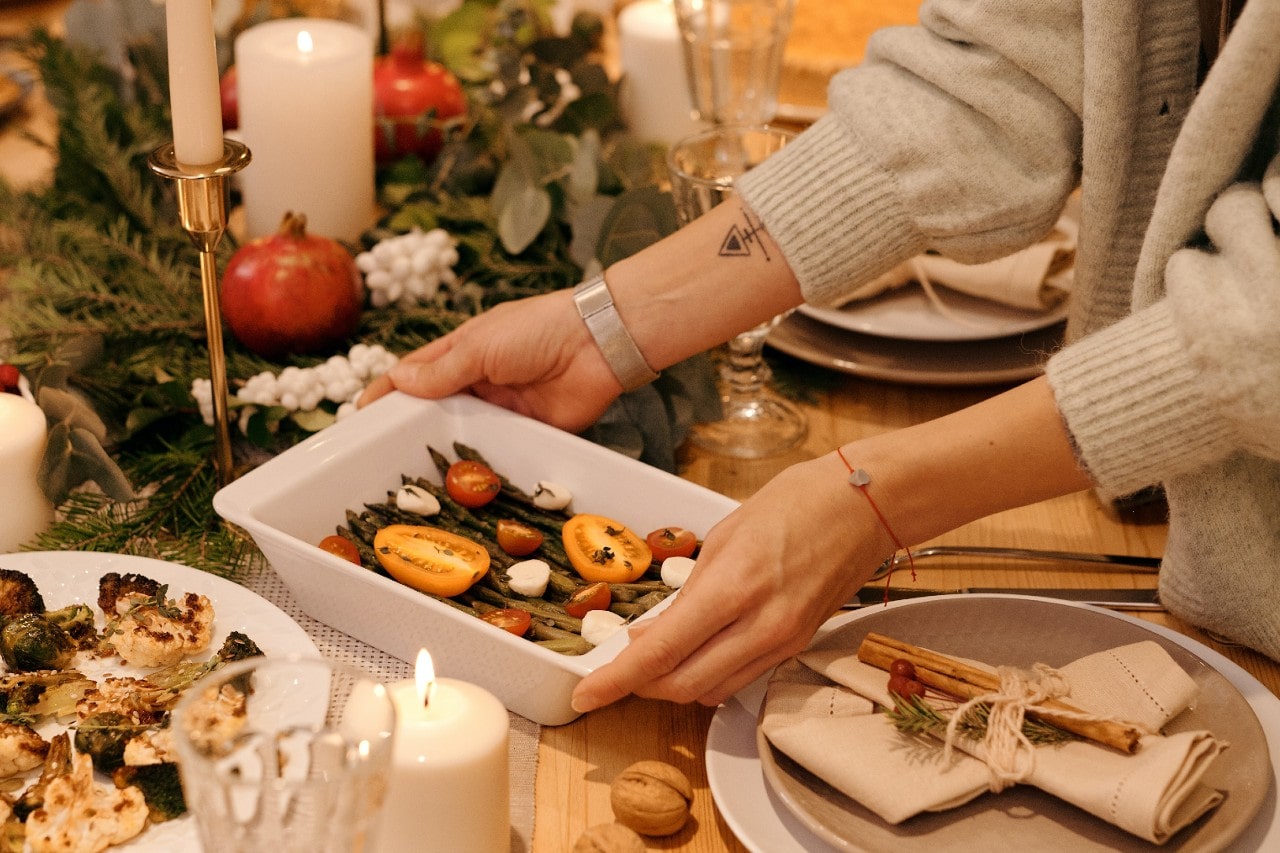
(578, 761)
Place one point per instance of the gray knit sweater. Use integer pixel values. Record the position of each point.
(965, 136)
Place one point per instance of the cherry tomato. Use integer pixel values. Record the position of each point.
(518, 540)
(511, 619)
(342, 547)
(429, 559)
(671, 542)
(602, 549)
(472, 484)
(595, 596)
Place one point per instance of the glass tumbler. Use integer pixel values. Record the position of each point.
(285, 754)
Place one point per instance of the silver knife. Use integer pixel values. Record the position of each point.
(1115, 599)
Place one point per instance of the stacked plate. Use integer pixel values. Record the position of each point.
(906, 336)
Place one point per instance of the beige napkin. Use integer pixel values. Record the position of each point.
(1036, 278)
(835, 732)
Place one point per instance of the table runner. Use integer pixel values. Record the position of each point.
(337, 646)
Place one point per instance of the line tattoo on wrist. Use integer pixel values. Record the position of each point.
(745, 238)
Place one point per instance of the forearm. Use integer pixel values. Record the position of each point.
(1005, 452)
(685, 293)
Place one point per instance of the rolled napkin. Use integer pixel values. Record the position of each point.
(1036, 278)
(811, 715)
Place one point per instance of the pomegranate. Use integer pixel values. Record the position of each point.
(291, 292)
(412, 97)
(230, 97)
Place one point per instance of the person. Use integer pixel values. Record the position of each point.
(965, 135)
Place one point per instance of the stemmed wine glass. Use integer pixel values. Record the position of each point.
(733, 58)
(755, 422)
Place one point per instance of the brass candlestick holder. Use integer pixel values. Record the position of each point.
(202, 208)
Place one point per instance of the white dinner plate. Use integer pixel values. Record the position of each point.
(765, 824)
(937, 363)
(71, 577)
(907, 313)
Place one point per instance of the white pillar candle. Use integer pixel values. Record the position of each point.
(24, 510)
(655, 89)
(448, 787)
(193, 82)
(306, 113)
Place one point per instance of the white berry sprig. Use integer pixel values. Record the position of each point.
(409, 269)
(301, 390)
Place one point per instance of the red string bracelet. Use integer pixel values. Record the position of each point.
(859, 478)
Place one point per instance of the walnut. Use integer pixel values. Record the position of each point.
(651, 797)
(608, 838)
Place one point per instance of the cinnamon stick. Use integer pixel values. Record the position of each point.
(957, 678)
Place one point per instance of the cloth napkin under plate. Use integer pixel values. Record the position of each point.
(1036, 278)
(821, 710)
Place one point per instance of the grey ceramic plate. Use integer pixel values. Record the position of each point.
(1017, 631)
(940, 363)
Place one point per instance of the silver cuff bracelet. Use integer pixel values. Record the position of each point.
(595, 304)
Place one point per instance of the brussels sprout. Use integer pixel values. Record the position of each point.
(78, 621)
(31, 642)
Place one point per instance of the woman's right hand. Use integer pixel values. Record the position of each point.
(533, 356)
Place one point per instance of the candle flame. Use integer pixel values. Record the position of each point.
(425, 674)
(305, 43)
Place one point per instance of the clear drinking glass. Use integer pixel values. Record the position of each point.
(733, 56)
(755, 422)
(285, 754)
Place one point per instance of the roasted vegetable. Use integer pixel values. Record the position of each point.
(78, 621)
(113, 586)
(56, 763)
(160, 785)
(103, 737)
(34, 696)
(18, 594)
(31, 642)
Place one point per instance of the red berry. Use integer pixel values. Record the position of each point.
(9, 377)
(903, 667)
(901, 685)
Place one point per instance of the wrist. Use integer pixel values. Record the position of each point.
(595, 305)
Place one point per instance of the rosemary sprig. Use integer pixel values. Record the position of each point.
(917, 716)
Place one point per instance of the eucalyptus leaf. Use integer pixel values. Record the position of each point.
(313, 420)
(74, 456)
(523, 217)
(639, 218)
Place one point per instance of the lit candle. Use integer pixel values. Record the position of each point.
(24, 510)
(306, 112)
(448, 788)
(655, 88)
(193, 82)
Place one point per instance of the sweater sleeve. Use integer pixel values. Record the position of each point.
(961, 136)
(1191, 378)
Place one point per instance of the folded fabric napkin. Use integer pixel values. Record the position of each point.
(823, 709)
(1036, 278)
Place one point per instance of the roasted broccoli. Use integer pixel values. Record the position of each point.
(160, 785)
(31, 642)
(18, 594)
(103, 737)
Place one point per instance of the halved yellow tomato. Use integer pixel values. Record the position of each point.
(602, 549)
(429, 559)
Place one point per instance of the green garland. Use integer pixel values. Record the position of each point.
(104, 307)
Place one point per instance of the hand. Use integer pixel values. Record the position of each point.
(767, 577)
(534, 356)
